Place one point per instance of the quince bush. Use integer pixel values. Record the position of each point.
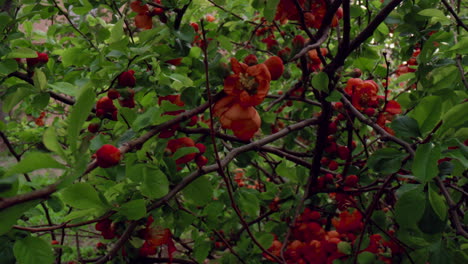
(283, 131)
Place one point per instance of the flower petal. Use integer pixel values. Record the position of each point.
(230, 84)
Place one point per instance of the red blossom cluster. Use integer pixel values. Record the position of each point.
(364, 96)
(312, 243)
(156, 236)
(315, 64)
(313, 11)
(242, 181)
(40, 120)
(174, 99)
(198, 39)
(405, 68)
(107, 228)
(246, 88)
(41, 59)
(175, 144)
(105, 107)
(144, 18)
(108, 156)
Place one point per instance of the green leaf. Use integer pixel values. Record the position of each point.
(432, 12)
(133, 210)
(73, 56)
(155, 184)
(40, 80)
(10, 215)
(461, 47)
(51, 142)
(82, 196)
(65, 88)
(8, 185)
(265, 239)
(79, 113)
(287, 171)
(248, 202)
(410, 207)
(344, 247)
(334, 96)
(320, 81)
(199, 192)
(82, 214)
(186, 33)
(41, 100)
(444, 77)
(382, 28)
(33, 250)
(425, 162)
(269, 9)
(180, 81)
(145, 119)
(8, 66)
(55, 203)
(386, 160)
(366, 258)
(33, 161)
(427, 112)
(430, 222)
(184, 151)
(14, 98)
(22, 53)
(190, 96)
(406, 127)
(454, 118)
(201, 250)
(440, 254)
(117, 31)
(438, 204)
(6, 248)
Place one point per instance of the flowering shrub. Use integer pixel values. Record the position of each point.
(282, 131)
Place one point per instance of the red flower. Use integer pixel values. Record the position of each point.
(128, 98)
(243, 121)
(275, 67)
(138, 7)
(348, 222)
(251, 60)
(143, 21)
(127, 79)
(363, 93)
(107, 228)
(106, 104)
(316, 63)
(175, 99)
(155, 237)
(113, 94)
(249, 83)
(298, 42)
(42, 58)
(286, 9)
(108, 156)
(174, 144)
(175, 62)
(393, 107)
(314, 12)
(105, 108)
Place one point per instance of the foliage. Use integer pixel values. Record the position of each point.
(212, 131)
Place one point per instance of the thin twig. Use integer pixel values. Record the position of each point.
(376, 127)
(454, 14)
(65, 14)
(452, 209)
